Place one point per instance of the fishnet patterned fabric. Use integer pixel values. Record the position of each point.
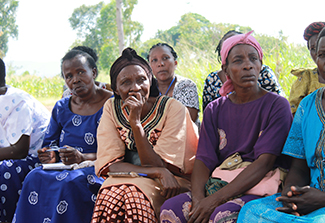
(123, 203)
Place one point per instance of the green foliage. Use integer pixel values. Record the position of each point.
(39, 87)
(8, 27)
(96, 26)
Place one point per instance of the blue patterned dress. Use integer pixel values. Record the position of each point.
(68, 195)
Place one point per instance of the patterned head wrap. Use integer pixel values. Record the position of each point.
(227, 45)
(130, 57)
(313, 29)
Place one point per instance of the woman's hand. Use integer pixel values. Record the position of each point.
(135, 104)
(170, 185)
(70, 155)
(46, 157)
(202, 209)
(302, 200)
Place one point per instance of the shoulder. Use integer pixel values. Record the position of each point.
(183, 81)
(300, 72)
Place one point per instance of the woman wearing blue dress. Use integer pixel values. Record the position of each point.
(68, 195)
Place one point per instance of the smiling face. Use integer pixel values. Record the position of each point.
(320, 59)
(132, 80)
(162, 63)
(243, 66)
(78, 76)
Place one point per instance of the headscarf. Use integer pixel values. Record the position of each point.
(313, 29)
(227, 45)
(130, 57)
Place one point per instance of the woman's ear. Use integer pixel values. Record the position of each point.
(95, 73)
(224, 69)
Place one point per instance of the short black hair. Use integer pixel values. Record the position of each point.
(2, 73)
(88, 52)
(226, 36)
(164, 44)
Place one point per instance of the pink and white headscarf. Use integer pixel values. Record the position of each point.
(227, 45)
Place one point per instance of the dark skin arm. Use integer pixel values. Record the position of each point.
(18, 150)
(193, 113)
(298, 197)
(203, 207)
(166, 178)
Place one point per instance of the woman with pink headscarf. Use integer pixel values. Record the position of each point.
(240, 143)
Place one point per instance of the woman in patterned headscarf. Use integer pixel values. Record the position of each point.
(68, 195)
(308, 79)
(146, 145)
(303, 196)
(241, 140)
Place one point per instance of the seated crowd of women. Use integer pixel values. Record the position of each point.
(135, 150)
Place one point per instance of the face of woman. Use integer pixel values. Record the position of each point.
(320, 60)
(312, 47)
(162, 63)
(78, 76)
(133, 80)
(243, 66)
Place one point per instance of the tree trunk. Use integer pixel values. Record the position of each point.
(119, 24)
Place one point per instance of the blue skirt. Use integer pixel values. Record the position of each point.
(12, 175)
(58, 196)
(263, 210)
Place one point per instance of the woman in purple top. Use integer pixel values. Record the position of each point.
(250, 121)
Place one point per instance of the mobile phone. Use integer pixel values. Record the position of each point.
(55, 148)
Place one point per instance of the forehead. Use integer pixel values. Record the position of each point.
(131, 71)
(77, 61)
(160, 50)
(321, 43)
(242, 49)
(312, 40)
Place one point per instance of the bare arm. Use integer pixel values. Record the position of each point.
(248, 178)
(19, 150)
(193, 113)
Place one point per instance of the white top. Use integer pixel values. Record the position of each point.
(21, 114)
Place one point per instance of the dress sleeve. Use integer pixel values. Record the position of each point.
(52, 134)
(186, 93)
(275, 129)
(178, 140)
(299, 90)
(268, 80)
(212, 85)
(294, 145)
(19, 122)
(110, 144)
(208, 145)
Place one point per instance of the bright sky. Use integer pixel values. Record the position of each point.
(45, 34)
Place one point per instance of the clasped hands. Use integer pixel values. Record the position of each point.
(301, 200)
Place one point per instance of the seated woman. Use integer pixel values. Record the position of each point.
(214, 81)
(163, 61)
(23, 122)
(68, 196)
(308, 80)
(67, 92)
(251, 124)
(303, 196)
(145, 138)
